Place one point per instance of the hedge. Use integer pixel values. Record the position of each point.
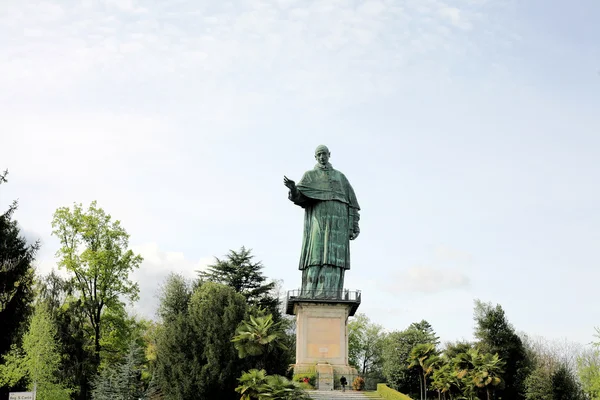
(390, 394)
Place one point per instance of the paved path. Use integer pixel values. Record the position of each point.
(336, 395)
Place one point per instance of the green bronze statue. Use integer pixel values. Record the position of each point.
(330, 222)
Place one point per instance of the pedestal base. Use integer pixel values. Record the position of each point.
(321, 333)
(322, 340)
(328, 376)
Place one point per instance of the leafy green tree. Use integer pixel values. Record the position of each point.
(539, 384)
(424, 357)
(173, 338)
(565, 385)
(497, 335)
(215, 312)
(555, 363)
(588, 368)
(119, 329)
(39, 359)
(175, 295)
(16, 280)
(196, 358)
(74, 333)
(396, 351)
(95, 250)
(365, 344)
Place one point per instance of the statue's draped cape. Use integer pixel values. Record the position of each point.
(327, 184)
(331, 210)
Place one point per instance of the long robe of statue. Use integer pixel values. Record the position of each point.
(330, 221)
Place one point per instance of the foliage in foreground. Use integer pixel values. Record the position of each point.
(38, 361)
(258, 335)
(257, 385)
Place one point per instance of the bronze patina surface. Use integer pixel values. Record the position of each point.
(330, 222)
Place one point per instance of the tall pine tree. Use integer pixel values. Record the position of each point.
(121, 381)
(497, 335)
(16, 280)
(239, 271)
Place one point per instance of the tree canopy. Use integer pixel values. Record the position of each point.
(95, 250)
(195, 349)
(497, 335)
(239, 271)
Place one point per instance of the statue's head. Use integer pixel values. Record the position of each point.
(322, 154)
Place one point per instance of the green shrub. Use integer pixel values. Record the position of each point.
(390, 394)
(306, 386)
(358, 384)
(309, 378)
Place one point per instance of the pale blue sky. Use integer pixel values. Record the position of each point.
(469, 129)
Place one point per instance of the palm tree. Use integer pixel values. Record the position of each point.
(280, 388)
(251, 384)
(257, 336)
(257, 385)
(488, 369)
(424, 357)
(465, 365)
(443, 378)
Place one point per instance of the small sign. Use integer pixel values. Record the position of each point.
(323, 350)
(21, 396)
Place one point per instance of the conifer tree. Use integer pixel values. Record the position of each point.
(16, 280)
(123, 380)
(239, 271)
(497, 335)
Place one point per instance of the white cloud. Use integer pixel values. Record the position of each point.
(125, 5)
(157, 265)
(447, 253)
(44, 266)
(455, 16)
(324, 48)
(77, 148)
(427, 280)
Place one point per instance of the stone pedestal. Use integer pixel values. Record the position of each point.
(322, 337)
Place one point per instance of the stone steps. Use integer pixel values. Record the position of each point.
(336, 394)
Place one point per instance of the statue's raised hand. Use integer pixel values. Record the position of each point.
(290, 184)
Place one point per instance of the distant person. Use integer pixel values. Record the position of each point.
(343, 382)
